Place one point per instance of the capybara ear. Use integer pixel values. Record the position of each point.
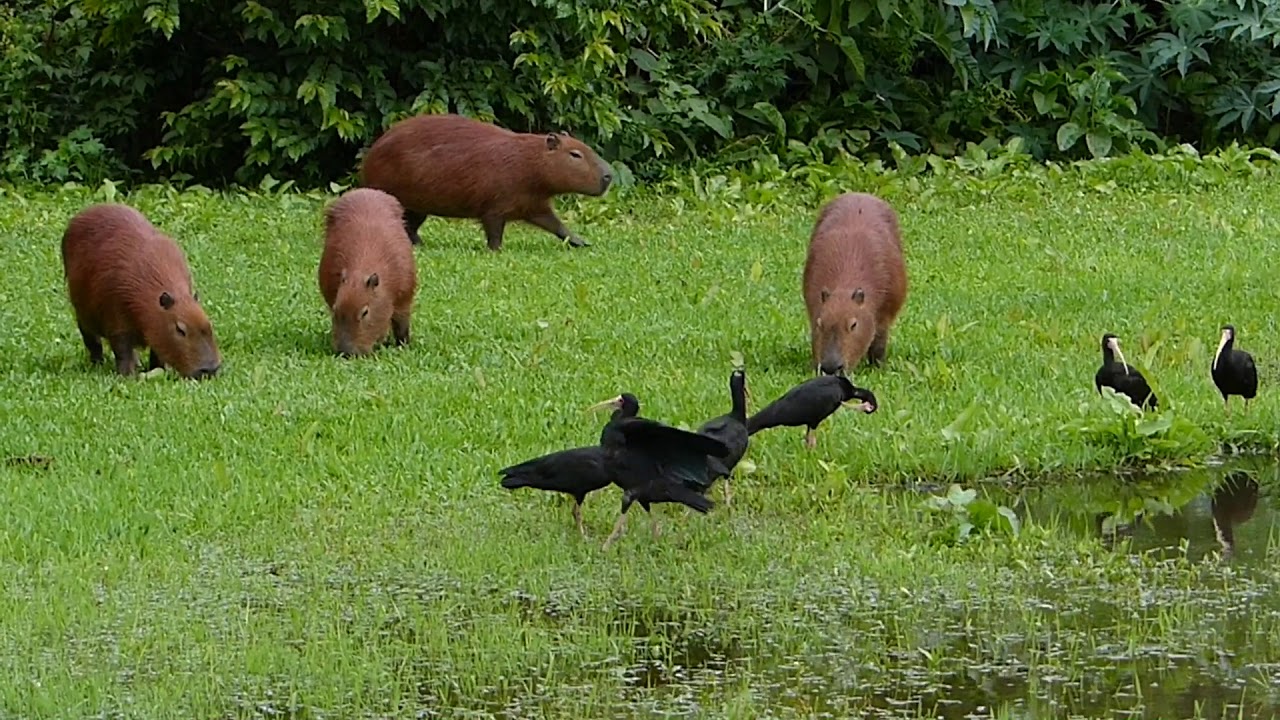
(166, 301)
(825, 294)
(372, 282)
(553, 141)
(859, 296)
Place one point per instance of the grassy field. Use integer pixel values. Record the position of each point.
(314, 537)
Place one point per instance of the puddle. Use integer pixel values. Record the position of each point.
(1231, 509)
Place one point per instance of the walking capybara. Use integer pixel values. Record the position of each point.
(130, 283)
(367, 273)
(454, 166)
(855, 282)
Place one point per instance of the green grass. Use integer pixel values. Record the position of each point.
(329, 536)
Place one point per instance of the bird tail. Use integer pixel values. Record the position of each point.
(691, 498)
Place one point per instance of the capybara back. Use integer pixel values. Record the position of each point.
(454, 166)
(855, 282)
(367, 273)
(130, 283)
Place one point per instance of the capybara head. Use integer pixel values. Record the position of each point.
(183, 336)
(570, 166)
(361, 313)
(843, 331)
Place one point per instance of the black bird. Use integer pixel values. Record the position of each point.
(656, 463)
(624, 406)
(576, 472)
(1233, 371)
(1121, 377)
(809, 403)
(731, 429)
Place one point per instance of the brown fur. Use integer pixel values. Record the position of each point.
(130, 283)
(855, 282)
(367, 273)
(454, 166)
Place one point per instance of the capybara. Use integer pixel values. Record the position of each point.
(455, 166)
(855, 282)
(367, 273)
(130, 283)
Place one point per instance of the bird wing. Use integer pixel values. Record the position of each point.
(650, 435)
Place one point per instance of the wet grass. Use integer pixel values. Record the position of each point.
(306, 537)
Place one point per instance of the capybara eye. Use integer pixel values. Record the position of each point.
(575, 154)
(181, 330)
(853, 325)
(364, 313)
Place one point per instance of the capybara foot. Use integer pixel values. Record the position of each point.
(94, 346)
(576, 241)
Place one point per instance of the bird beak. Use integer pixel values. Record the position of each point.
(613, 402)
(864, 406)
(1221, 344)
(1115, 345)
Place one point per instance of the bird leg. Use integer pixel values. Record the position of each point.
(728, 496)
(577, 516)
(618, 527)
(653, 525)
(810, 439)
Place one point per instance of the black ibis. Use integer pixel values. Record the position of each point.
(731, 429)
(656, 463)
(1122, 377)
(1233, 370)
(575, 472)
(811, 402)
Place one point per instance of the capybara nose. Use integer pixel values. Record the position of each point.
(605, 180)
(205, 373)
(832, 368)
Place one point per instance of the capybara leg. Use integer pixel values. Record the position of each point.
(413, 221)
(93, 344)
(551, 222)
(400, 328)
(494, 226)
(155, 361)
(126, 358)
(880, 343)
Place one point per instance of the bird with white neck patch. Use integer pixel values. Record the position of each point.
(1121, 376)
(1233, 371)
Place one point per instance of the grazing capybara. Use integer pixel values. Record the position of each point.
(130, 283)
(855, 282)
(367, 273)
(454, 166)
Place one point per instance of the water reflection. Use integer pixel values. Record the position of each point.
(1234, 502)
(1229, 509)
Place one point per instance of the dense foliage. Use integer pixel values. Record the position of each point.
(235, 90)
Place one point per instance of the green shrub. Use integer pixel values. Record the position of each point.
(235, 90)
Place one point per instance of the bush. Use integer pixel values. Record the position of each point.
(238, 90)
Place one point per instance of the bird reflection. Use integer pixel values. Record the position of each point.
(1233, 503)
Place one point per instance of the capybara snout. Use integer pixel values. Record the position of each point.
(854, 283)
(130, 284)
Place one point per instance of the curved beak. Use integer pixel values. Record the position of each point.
(613, 402)
(1226, 335)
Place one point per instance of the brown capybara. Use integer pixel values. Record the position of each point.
(855, 282)
(367, 273)
(455, 166)
(130, 283)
